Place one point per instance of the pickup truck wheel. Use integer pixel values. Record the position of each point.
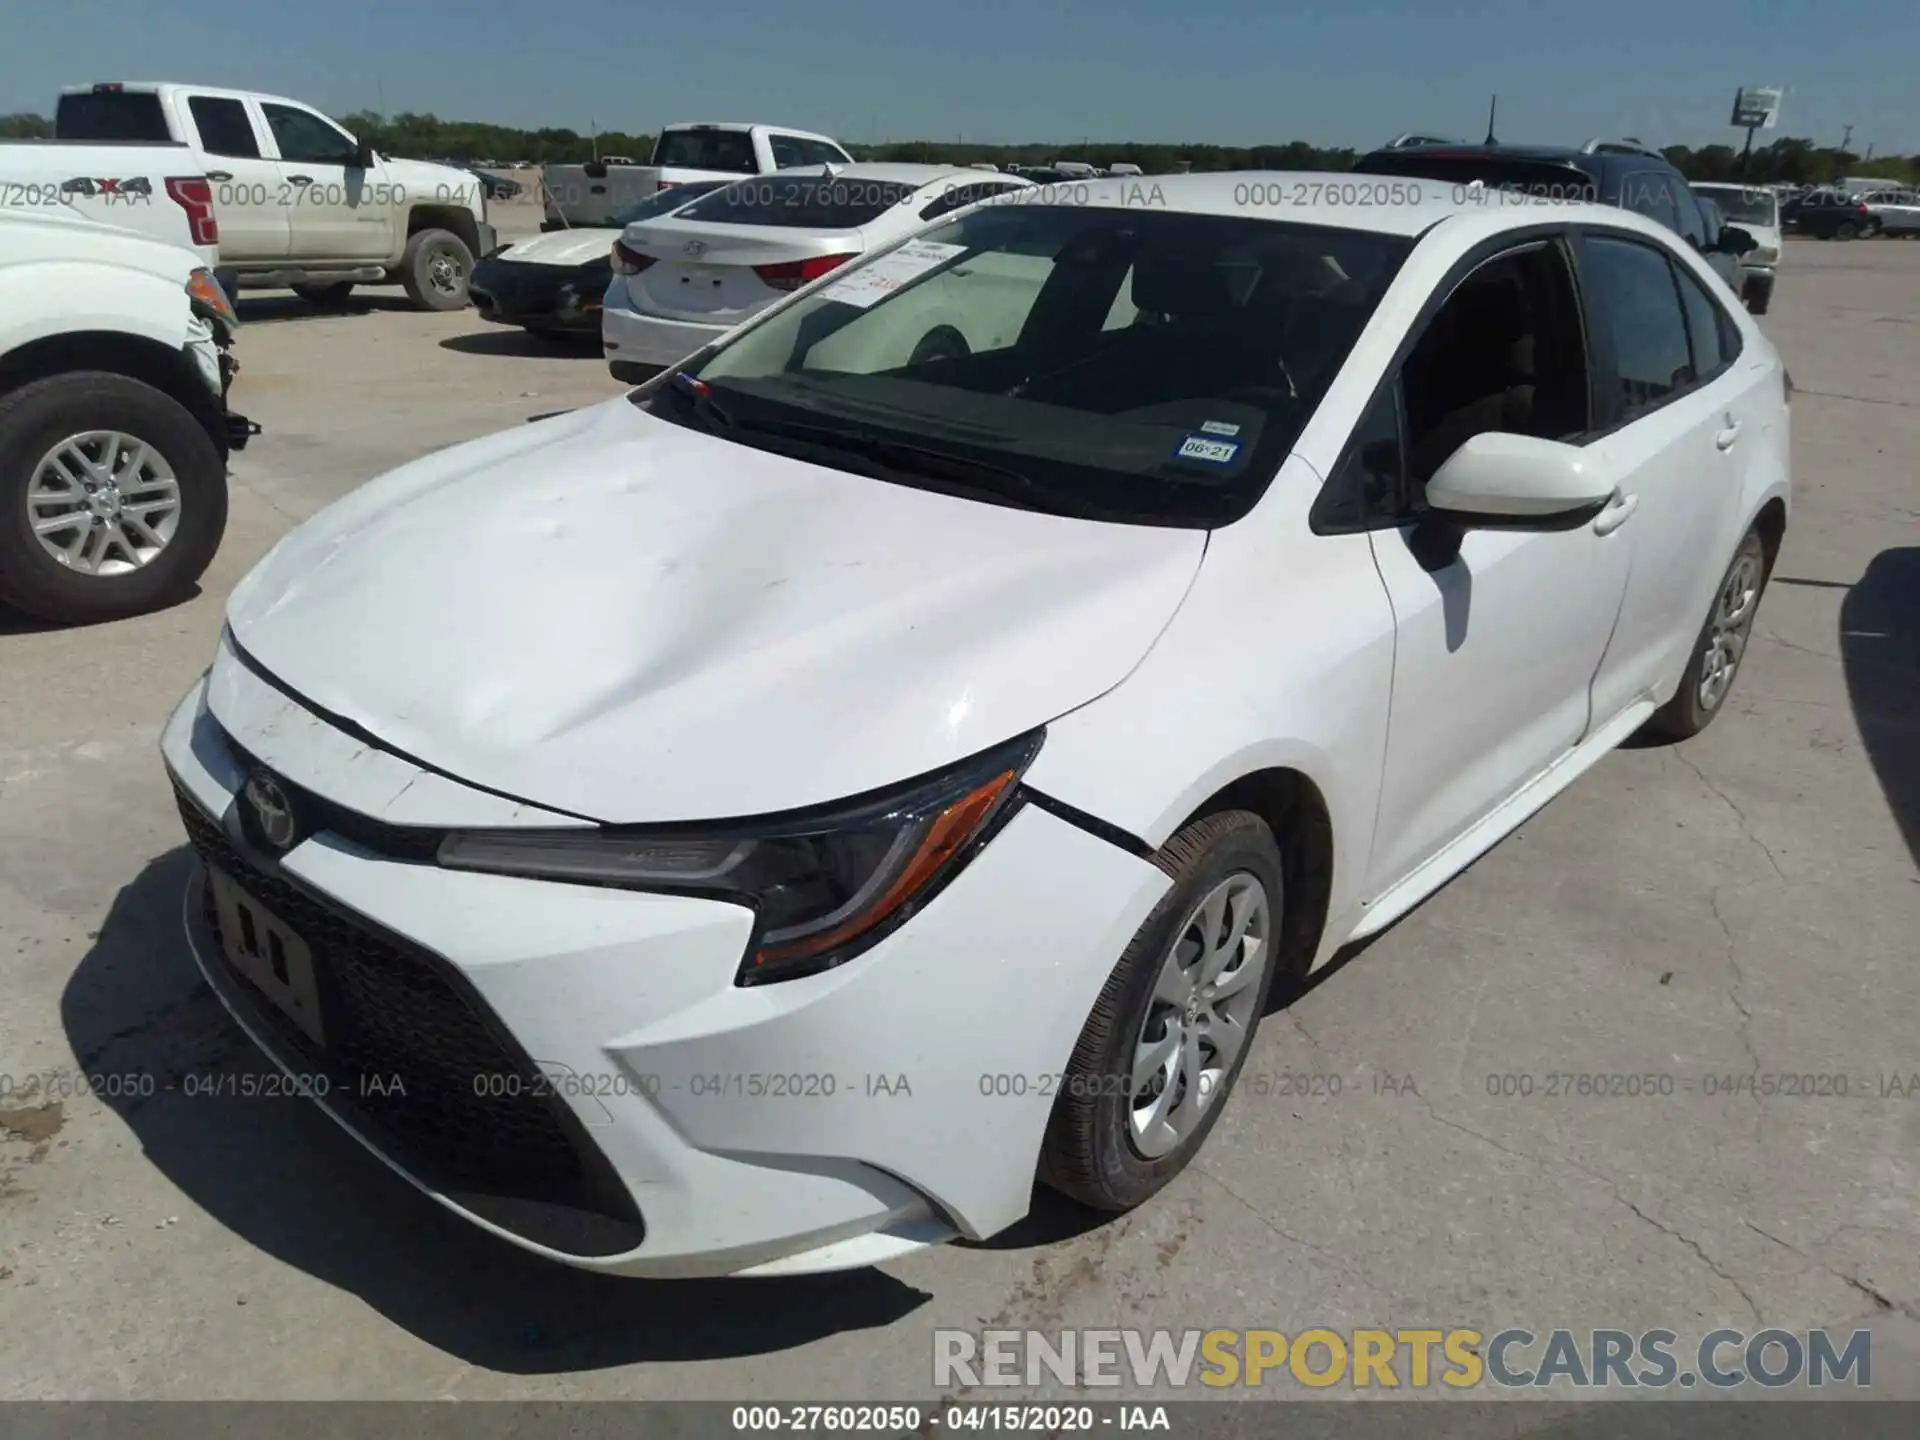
(328, 295)
(113, 498)
(435, 270)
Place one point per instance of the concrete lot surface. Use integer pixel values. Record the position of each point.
(1746, 903)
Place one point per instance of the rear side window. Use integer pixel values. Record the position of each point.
(224, 127)
(1630, 289)
(803, 202)
(1713, 335)
(730, 151)
(110, 115)
(663, 202)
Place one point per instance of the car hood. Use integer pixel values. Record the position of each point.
(618, 617)
(564, 247)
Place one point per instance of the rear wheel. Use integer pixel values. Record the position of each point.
(1722, 645)
(1846, 230)
(113, 498)
(435, 270)
(1175, 1020)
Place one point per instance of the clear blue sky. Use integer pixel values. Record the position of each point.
(1351, 72)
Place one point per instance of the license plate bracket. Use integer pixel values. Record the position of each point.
(268, 954)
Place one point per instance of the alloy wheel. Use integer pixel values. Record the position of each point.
(103, 502)
(1199, 1015)
(1728, 630)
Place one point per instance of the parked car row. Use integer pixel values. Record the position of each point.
(1853, 215)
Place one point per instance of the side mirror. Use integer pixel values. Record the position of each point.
(1736, 241)
(1519, 482)
(363, 156)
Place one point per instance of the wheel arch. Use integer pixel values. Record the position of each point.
(119, 352)
(455, 218)
(1296, 812)
(1771, 522)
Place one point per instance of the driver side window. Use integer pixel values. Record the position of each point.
(1505, 352)
(305, 138)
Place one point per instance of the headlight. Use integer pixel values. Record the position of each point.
(210, 301)
(825, 884)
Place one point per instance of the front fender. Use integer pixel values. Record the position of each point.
(65, 296)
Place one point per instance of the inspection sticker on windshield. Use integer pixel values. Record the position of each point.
(872, 283)
(1219, 427)
(1208, 452)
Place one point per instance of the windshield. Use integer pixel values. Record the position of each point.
(1742, 206)
(809, 202)
(1147, 367)
(726, 150)
(663, 202)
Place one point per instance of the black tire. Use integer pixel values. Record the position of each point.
(436, 269)
(1689, 711)
(942, 342)
(1089, 1153)
(325, 295)
(1759, 297)
(1845, 230)
(36, 418)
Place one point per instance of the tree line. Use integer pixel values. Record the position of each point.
(1787, 161)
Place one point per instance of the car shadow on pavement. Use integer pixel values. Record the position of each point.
(524, 344)
(282, 1176)
(273, 308)
(1880, 651)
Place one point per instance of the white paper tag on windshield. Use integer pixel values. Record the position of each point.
(876, 281)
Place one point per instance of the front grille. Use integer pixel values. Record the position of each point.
(392, 1011)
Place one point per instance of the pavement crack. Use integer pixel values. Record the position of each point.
(1746, 825)
(1293, 1018)
(1612, 1189)
(1333, 1258)
(1734, 989)
(1883, 1301)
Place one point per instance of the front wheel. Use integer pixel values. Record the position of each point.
(1174, 1022)
(435, 270)
(1721, 646)
(113, 498)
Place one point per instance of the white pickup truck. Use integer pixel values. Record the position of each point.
(723, 150)
(298, 200)
(115, 361)
(156, 188)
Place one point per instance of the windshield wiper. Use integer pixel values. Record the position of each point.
(1001, 481)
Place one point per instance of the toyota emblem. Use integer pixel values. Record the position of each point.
(696, 248)
(272, 810)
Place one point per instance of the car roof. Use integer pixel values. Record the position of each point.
(918, 176)
(1386, 205)
(749, 125)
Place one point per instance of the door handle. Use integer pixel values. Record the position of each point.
(1619, 510)
(220, 177)
(1724, 440)
(299, 179)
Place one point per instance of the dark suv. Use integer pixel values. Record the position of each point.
(1830, 215)
(1613, 172)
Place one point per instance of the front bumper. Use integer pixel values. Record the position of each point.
(631, 338)
(539, 297)
(657, 1119)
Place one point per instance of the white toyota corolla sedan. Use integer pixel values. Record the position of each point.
(683, 281)
(764, 822)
